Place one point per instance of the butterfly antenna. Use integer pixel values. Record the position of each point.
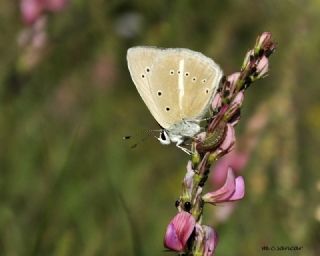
(142, 135)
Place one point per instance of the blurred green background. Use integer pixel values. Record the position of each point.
(69, 184)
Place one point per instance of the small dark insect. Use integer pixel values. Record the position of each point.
(187, 206)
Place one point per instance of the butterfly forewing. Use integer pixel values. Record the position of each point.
(140, 60)
(182, 82)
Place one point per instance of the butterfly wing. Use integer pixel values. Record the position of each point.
(182, 82)
(140, 61)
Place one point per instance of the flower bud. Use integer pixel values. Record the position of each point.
(233, 80)
(188, 181)
(262, 67)
(206, 240)
(247, 60)
(263, 41)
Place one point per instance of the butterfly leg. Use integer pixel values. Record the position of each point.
(178, 144)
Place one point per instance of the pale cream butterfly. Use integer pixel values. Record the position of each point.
(177, 86)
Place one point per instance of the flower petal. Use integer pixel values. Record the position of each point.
(216, 102)
(211, 240)
(223, 193)
(239, 190)
(263, 39)
(262, 66)
(179, 231)
(188, 178)
(229, 139)
(171, 239)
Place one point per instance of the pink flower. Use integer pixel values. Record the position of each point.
(55, 5)
(262, 67)
(31, 10)
(211, 240)
(229, 140)
(206, 240)
(232, 190)
(178, 231)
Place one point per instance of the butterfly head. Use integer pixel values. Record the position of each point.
(164, 137)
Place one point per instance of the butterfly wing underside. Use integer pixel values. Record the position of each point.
(140, 60)
(183, 82)
(175, 84)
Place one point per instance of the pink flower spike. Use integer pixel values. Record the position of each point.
(239, 190)
(211, 240)
(179, 231)
(262, 67)
(229, 139)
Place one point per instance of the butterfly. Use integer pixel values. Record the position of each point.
(177, 86)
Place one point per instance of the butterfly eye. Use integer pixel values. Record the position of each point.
(187, 74)
(167, 109)
(147, 69)
(159, 93)
(143, 76)
(171, 71)
(163, 136)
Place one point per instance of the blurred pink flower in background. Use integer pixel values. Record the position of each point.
(236, 160)
(55, 5)
(32, 10)
(104, 72)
